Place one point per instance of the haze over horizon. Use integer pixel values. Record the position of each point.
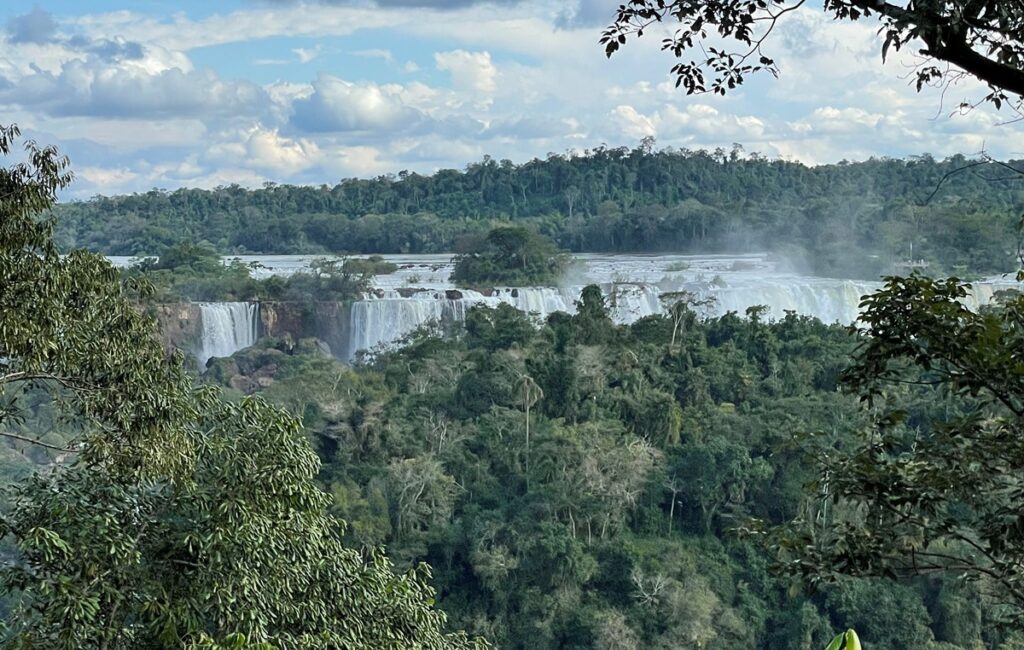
(169, 95)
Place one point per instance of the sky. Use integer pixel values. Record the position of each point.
(200, 93)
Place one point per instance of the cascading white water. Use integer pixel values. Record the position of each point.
(227, 327)
(382, 320)
(830, 301)
(633, 285)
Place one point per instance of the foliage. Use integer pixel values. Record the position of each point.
(169, 518)
(188, 272)
(983, 39)
(510, 256)
(848, 640)
(847, 219)
(574, 483)
(937, 491)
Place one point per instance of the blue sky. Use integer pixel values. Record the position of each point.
(167, 94)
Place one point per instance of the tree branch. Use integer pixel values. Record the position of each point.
(949, 44)
(34, 441)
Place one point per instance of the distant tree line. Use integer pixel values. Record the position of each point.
(852, 219)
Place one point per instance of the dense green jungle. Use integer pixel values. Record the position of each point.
(575, 483)
(582, 485)
(197, 453)
(852, 219)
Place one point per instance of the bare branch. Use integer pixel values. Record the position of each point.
(34, 441)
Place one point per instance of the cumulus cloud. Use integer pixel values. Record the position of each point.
(359, 160)
(469, 70)
(37, 26)
(110, 49)
(510, 79)
(339, 105)
(632, 123)
(836, 120)
(92, 87)
(307, 54)
(267, 150)
(529, 127)
(692, 122)
(107, 177)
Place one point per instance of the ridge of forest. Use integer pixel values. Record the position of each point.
(848, 219)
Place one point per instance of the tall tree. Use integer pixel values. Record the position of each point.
(170, 519)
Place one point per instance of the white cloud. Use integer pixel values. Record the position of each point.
(146, 88)
(339, 105)
(692, 123)
(303, 55)
(121, 92)
(469, 70)
(358, 161)
(109, 177)
(267, 150)
(376, 53)
(307, 54)
(632, 123)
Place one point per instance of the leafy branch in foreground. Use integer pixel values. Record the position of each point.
(982, 39)
(930, 495)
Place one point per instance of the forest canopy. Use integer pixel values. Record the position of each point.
(848, 219)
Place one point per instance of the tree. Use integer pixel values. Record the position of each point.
(171, 518)
(683, 309)
(531, 393)
(937, 494)
(592, 322)
(511, 256)
(981, 38)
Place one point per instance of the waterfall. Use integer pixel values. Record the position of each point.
(629, 303)
(227, 327)
(830, 301)
(388, 319)
(381, 320)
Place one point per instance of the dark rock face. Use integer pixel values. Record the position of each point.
(323, 326)
(243, 384)
(329, 322)
(180, 326)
